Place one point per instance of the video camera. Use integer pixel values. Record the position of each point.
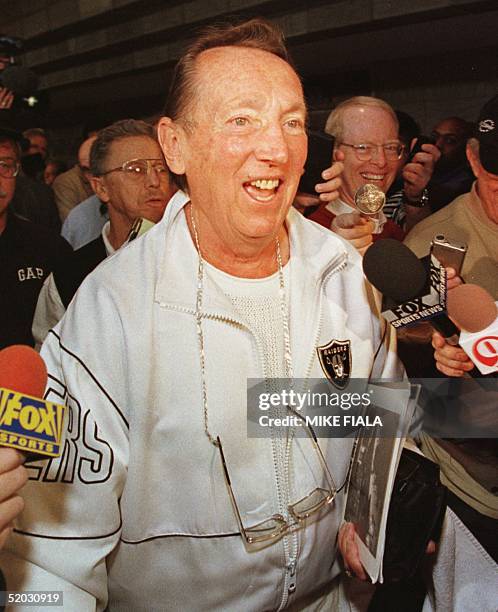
(21, 81)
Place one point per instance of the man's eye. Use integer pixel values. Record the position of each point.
(295, 124)
(392, 148)
(135, 169)
(240, 121)
(363, 148)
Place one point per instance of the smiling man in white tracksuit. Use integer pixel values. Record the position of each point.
(154, 354)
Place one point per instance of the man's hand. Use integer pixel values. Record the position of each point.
(326, 192)
(452, 279)
(13, 476)
(329, 191)
(302, 201)
(354, 228)
(450, 360)
(350, 553)
(6, 98)
(418, 172)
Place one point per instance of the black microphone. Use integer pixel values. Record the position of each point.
(413, 292)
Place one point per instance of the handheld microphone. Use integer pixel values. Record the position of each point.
(412, 293)
(27, 423)
(476, 314)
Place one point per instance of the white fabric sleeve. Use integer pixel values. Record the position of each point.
(72, 521)
(463, 574)
(49, 311)
(69, 231)
(17, 571)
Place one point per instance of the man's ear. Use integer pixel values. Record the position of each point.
(474, 162)
(171, 138)
(98, 185)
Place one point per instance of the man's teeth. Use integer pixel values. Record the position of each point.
(265, 183)
(373, 177)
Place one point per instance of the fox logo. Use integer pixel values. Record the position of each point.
(24, 418)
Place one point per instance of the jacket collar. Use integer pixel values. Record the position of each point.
(314, 252)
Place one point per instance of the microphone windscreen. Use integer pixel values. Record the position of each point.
(21, 81)
(394, 270)
(471, 307)
(23, 370)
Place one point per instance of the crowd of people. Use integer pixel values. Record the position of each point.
(150, 342)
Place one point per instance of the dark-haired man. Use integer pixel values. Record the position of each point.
(154, 355)
(73, 186)
(28, 252)
(452, 175)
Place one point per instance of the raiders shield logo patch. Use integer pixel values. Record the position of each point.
(335, 359)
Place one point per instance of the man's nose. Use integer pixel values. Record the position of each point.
(153, 177)
(440, 142)
(271, 144)
(379, 155)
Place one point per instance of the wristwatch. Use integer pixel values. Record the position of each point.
(421, 202)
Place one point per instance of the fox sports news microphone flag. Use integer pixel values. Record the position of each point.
(27, 422)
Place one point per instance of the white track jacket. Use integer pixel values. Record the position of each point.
(136, 515)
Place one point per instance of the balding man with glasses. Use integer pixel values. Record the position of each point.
(28, 252)
(365, 130)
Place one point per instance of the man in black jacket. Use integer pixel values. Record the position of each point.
(28, 252)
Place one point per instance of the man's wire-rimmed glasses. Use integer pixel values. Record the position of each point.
(9, 169)
(276, 526)
(139, 168)
(364, 152)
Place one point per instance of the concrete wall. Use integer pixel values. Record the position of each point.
(105, 59)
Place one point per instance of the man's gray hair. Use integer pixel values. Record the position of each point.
(335, 122)
(112, 133)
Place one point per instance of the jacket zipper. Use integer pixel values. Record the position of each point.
(291, 539)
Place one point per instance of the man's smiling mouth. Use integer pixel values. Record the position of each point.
(372, 177)
(263, 189)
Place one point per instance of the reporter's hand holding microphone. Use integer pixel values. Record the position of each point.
(31, 428)
(13, 476)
